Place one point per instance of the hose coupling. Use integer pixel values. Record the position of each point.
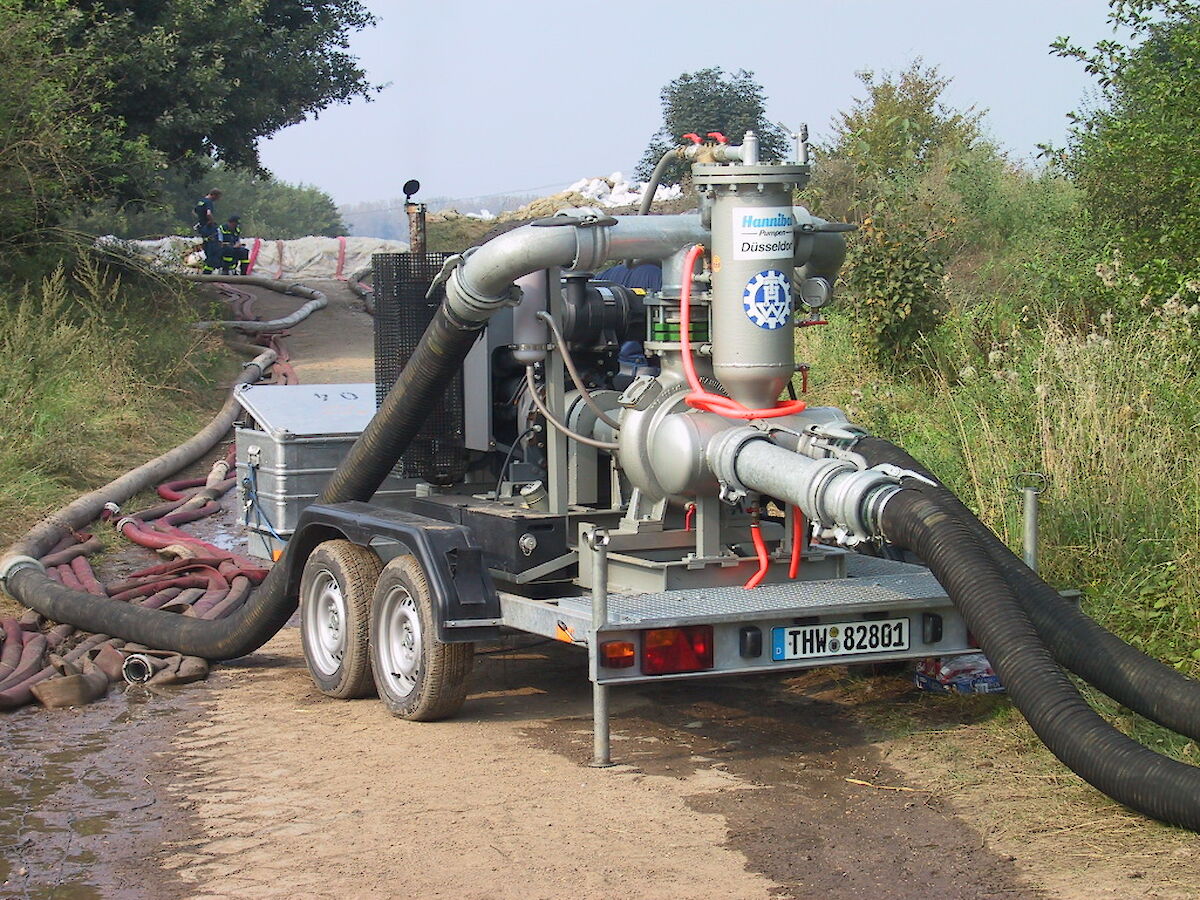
(11, 564)
(127, 520)
(139, 668)
(849, 499)
(900, 474)
(722, 455)
(472, 307)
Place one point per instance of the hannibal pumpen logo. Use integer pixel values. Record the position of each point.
(767, 299)
(763, 232)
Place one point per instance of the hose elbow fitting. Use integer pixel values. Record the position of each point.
(473, 307)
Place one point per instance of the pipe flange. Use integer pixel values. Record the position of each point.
(722, 455)
(11, 564)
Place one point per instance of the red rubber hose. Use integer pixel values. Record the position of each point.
(699, 398)
(764, 561)
(797, 541)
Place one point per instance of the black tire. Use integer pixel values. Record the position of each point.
(335, 600)
(417, 676)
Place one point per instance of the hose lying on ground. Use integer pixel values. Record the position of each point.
(1104, 757)
(316, 300)
(1096, 655)
(362, 290)
(421, 383)
(38, 541)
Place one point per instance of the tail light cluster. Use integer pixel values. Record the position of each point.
(665, 651)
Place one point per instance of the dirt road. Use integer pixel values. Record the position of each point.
(829, 784)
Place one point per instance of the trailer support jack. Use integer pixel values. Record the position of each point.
(601, 740)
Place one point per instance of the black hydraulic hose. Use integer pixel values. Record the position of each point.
(1099, 657)
(422, 382)
(1104, 757)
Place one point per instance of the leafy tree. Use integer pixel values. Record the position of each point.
(57, 145)
(903, 124)
(200, 79)
(1135, 155)
(903, 163)
(712, 100)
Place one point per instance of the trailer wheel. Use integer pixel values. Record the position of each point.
(418, 677)
(335, 598)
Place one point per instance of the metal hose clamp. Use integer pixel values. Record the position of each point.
(11, 564)
(722, 454)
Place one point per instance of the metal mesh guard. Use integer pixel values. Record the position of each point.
(402, 314)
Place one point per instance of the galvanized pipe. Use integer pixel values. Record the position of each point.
(482, 284)
(601, 737)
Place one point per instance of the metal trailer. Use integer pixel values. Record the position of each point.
(581, 579)
(845, 608)
(609, 514)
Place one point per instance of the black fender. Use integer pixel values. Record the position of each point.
(462, 588)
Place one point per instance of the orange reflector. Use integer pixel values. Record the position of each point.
(617, 654)
(667, 651)
(276, 555)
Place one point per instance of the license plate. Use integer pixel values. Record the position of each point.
(839, 639)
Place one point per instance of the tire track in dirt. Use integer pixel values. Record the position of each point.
(295, 795)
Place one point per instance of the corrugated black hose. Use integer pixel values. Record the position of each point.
(1104, 757)
(421, 383)
(1099, 657)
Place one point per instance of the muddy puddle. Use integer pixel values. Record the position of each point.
(83, 800)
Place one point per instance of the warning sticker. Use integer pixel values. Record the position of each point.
(763, 232)
(767, 299)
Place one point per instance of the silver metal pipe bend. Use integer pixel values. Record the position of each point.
(482, 284)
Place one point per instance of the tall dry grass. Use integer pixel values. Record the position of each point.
(98, 372)
(1110, 416)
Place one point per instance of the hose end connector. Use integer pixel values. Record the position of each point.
(472, 307)
(722, 453)
(10, 565)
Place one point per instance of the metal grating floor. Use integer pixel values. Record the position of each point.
(736, 603)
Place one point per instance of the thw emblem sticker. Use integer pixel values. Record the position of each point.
(767, 299)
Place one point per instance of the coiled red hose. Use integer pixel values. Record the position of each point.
(699, 398)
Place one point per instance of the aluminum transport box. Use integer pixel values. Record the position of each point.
(290, 438)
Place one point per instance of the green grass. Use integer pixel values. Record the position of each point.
(98, 372)
(1109, 414)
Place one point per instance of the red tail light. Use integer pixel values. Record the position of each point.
(667, 651)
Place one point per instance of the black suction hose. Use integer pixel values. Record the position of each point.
(422, 382)
(1104, 757)
(1095, 654)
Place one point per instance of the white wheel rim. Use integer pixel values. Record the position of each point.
(324, 619)
(399, 641)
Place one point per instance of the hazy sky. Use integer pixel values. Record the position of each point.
(486, 97)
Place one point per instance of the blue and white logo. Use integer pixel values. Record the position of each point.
(768, 299)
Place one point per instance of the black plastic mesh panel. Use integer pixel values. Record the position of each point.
(402, 313)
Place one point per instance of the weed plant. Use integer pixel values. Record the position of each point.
(1103, 404)
(98, 372)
